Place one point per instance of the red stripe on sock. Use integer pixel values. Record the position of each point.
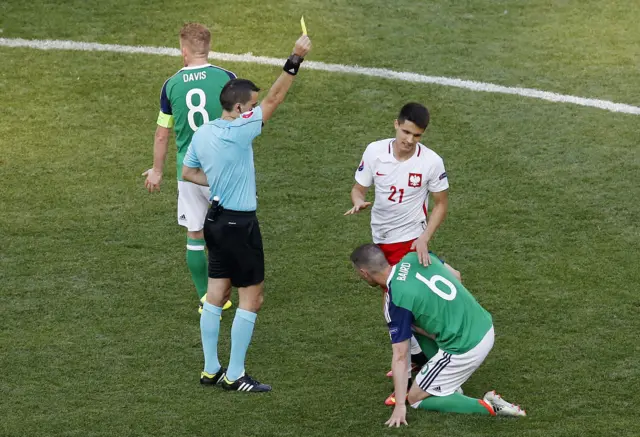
(487, 406)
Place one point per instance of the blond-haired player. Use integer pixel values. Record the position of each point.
(188, 99)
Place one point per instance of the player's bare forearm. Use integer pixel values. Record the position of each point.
(280, 87)
(358, 194)
(160, 147)
(276, 95)
(400, 367)
(195, 175)
(437, 215)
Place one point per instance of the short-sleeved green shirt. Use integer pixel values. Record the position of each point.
(432, 299)
(189, 99)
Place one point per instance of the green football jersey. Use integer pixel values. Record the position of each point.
(432, 298)
(190, 98)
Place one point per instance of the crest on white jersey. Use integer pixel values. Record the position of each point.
(415, 180)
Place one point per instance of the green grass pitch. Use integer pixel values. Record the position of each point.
(99, 334)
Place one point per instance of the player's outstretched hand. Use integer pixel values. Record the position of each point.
(421, 246)
(154, 178)
(399, 417)
(357, 208)
(302, 47)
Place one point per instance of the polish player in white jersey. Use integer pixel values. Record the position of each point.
(404, 172)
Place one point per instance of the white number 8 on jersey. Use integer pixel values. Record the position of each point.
(196, 109)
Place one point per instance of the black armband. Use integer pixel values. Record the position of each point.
(293, 64)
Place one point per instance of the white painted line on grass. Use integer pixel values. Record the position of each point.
(333, 68)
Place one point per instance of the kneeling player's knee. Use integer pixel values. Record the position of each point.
(412, 399)
(415, 395)
(456, 273)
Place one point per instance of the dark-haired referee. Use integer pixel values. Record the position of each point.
(221, 156)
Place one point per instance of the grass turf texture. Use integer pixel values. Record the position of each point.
(99, 327)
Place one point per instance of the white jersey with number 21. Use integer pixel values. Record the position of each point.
(402, 189)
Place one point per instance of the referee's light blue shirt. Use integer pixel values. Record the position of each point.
(224, 151)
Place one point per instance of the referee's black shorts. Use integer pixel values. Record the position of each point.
(235, 247)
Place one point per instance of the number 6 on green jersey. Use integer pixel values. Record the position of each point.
(432, 284)
(438, 303)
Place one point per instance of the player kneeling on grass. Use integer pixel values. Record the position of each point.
(430, 302)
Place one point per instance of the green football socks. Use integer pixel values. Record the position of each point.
(197, 263)
(456, 403)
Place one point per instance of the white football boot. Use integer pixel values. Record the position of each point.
(502, 407)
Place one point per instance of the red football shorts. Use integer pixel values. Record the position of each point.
(395, 251)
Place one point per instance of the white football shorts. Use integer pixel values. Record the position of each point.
(445, 372)
(193, 204)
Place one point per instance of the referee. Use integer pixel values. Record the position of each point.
(221, 156)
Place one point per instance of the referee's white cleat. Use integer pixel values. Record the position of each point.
(502, 407)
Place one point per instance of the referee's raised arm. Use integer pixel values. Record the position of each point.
(221, 155)
(280, 87)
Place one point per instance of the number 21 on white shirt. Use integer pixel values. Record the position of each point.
(397, 194)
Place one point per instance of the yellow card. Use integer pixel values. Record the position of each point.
(304, 27)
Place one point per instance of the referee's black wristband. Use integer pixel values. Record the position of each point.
(293, 64)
